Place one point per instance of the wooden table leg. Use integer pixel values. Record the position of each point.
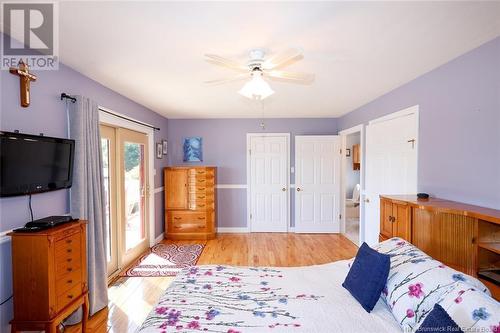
(13, 328)
(85, 312)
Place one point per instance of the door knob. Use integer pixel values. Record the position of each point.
(299, 189)
(283, 189)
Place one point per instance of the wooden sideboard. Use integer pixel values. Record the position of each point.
(190, 202)
(49, 269)
(464, 237)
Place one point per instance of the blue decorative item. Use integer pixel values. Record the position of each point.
(193, 149)
(367, 276)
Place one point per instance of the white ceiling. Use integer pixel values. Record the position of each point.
(152, 52)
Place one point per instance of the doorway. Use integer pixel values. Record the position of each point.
(391, 163)
(351, 184)
(126, 182)
(268, 181)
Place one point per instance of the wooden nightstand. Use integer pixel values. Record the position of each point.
(49, 269)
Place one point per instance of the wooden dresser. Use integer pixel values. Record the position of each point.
(49, 269)
(190, 202)
(464, 237)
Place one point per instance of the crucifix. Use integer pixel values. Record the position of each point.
(25, 78)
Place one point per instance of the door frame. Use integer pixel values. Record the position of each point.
(108, 119)
(249, 183)
(343, 173)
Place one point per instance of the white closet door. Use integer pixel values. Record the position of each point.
(391, 164)
(269, 183)
(317, 184)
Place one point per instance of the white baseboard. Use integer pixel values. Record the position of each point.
(159, 238)
(291, 229)
(233, 230)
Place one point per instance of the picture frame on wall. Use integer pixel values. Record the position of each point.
(193, 149)
(159, 150)
(165, 146)
(348, 152)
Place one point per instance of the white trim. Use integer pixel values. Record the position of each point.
(397, 114)
(343, 167)
(231, 186)
(3, 236)
(288, 142)
(292, 186)
(291, 229)
(107, 118)
(159, 189)
(231, 230)
(159, 238)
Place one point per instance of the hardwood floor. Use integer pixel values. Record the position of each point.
(131, 299)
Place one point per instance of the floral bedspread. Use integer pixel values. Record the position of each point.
(246, 299)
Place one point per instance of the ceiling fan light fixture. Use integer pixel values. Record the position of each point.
(256, 88)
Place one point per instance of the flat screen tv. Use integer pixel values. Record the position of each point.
(33, 164)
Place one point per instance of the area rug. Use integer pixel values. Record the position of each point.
(165, 260)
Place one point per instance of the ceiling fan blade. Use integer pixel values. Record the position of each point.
(303, 78)
(224, 62)
(282, 59)
(227, 80)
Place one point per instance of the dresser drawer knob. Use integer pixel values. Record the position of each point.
(70, 296)
(177, 218)
(177, 227)
(202, 180)
(201, 188)
(69, 259)
(70, 281)
(201, 205)
(69, 269)
(201, 197)
(69, 250)
(69, 241)
(201, 227)
(201, 217)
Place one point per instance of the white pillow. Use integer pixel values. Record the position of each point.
(471, 309)
(417, 282)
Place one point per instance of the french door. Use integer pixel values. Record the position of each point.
(317, 184)
(125, 165)
(268, 180)
(391, 163)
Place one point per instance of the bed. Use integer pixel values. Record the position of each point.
(263, 299)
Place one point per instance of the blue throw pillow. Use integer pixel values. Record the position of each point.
(438, 320)
(367, 277)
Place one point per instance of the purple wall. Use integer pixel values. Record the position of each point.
(224, 146)
(459, 150)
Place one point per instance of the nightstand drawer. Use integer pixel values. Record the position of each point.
(68, 281)
(69, 296)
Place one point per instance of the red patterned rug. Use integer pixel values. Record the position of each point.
(165, 260)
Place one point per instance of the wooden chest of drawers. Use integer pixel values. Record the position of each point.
(190, 202)
(49, 271)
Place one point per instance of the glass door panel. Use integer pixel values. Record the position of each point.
(134, 200)
(133, 158)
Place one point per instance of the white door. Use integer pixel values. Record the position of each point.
(317, 184)
(268, 180)
(391, 163)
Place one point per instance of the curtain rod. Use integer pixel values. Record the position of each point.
(73, 100)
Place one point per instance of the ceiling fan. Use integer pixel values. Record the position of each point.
(259, 67)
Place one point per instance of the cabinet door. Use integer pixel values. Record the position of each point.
(176, 190)
(386, 218)
(402, 222)
(458, 248)
(425, 232)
